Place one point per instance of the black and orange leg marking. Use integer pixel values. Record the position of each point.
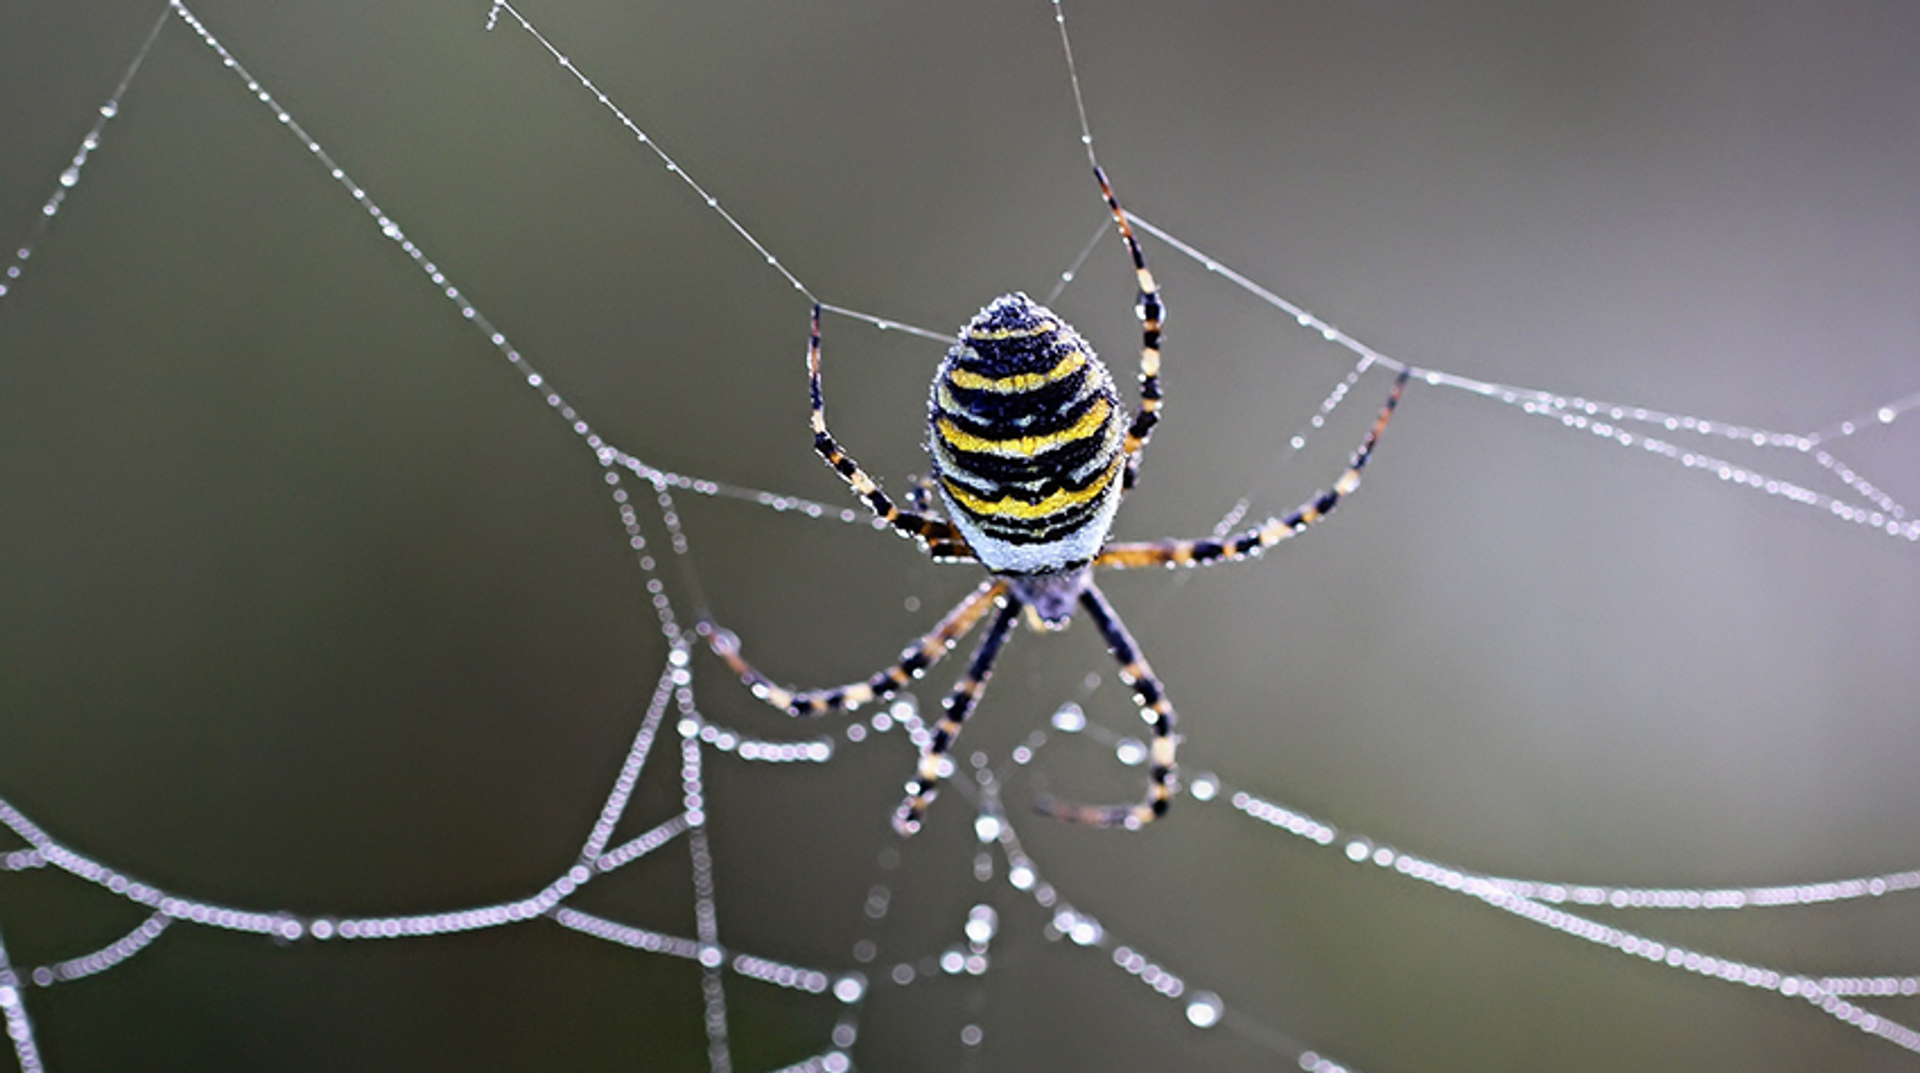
(921, 495)
(1266, 534)
(954, 709)
(1154, 708)
(913, 662)
(1152, 314)
(940, 537)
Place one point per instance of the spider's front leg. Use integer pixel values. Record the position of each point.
(939, 537)
(1153, 314)
(913, 661)
(1268, 533)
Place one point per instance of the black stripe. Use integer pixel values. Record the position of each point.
(1045, 530)
(1035, 412)
(1032, 351)
(1053, 469)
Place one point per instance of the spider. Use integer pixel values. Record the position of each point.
(1031, 454)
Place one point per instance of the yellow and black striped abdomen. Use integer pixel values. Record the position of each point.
(1027, 438)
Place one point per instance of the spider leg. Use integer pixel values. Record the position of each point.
(939, 537)
(914, 660)
(920, 499)
(1263, 536)
(1154, 708)
(920, 493)
(955, 707)
(1152, 313)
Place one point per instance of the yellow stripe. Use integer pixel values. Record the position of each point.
(1013, 385)
(1045, 327)
(1008, 507)
(1026, 446)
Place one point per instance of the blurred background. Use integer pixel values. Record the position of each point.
(308, 603)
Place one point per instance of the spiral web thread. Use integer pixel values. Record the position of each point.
(1537, 901)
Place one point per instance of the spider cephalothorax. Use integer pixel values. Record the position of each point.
(1032, 453)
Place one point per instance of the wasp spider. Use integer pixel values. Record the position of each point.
(1032, 452)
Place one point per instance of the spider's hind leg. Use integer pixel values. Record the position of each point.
(954, 709)
(1162, 774)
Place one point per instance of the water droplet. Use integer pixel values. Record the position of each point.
(1205, 1009)
(981, 924)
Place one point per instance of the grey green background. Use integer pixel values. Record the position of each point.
(306, 602)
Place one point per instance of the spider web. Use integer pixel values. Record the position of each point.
(315, 615)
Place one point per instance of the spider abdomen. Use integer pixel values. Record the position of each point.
(1027, 436)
